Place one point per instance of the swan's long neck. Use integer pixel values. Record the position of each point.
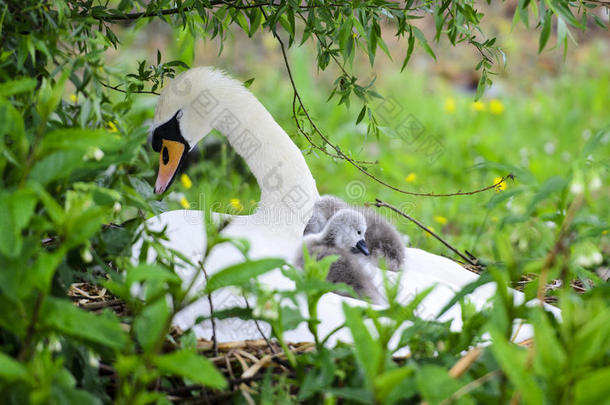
(288, 190)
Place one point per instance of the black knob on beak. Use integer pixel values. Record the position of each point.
(361, 247)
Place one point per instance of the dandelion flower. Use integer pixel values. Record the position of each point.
(450, 106)
(431, 229)
(440, 219)
(501, 186)
(479, 106)
(411, 177)
(496, 107)
(186, 181)
(185, 204)
(73, 98)
(111, 126)
(236, 204)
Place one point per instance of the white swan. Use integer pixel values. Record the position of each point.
(203, 99)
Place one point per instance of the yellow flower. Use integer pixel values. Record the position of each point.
(496, 107)
(604, 232)
(185, 204)
(410, 177)
(501, 186)
(74, 98)
(186, 181)
(236, 204)
(479, 106)
(450, 106)
(111, 126)
(427, 234)
(440, 220)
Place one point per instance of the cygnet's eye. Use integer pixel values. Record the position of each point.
(359, 233)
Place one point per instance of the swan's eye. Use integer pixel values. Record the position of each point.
(166, 157)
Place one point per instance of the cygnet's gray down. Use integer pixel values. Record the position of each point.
(323, 210)
(382, 239)
(343, 235)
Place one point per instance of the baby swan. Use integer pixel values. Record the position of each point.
(382, 239)
(323, 210)
(343, 235)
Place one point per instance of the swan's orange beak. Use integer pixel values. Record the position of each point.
(170, 156)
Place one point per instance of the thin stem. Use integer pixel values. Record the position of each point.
(214, 341)
(350, 160)
(558, 247)
(379, 203)
(116, 88)
(26, 349)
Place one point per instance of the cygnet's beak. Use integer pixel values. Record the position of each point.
(361, 246)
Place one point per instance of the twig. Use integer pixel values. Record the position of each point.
(347, 158)
(214, 341)
(101, 304)
(213, 3)
(464, 363)
(470, 386)
(258, 327)
(116, 88)
(379, 203)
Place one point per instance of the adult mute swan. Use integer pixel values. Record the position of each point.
(202, 99)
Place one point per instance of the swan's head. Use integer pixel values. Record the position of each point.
(346, 230)
(186, 112)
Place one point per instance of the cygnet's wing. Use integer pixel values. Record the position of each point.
(351, 270)
(383, 240)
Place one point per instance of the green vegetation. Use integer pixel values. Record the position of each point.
(76, 183)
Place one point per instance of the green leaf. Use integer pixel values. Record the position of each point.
(562, 10)
(550, 355)
(361, 115)
(385, 383)
(151, 324)
(16, 209)
(49, 95)
(435, 384)
(241, 273)
(551, 186)
(18, 86)
(410, 48)
(546, 30)
(188, 364)
(513, 359)
(63, 317)
(11, 369)
(593, 388)
(55, 166)
(368, 350)
(423, 41)
(44, 268)
(150, 272)
(484, 278)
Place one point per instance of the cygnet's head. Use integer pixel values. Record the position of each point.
(345, 230)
